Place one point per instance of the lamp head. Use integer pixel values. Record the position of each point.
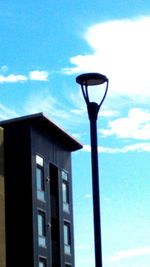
(91, 79)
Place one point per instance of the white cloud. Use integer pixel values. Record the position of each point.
(120, 51)
(4, 68)
(44, 102)
(38, 75)
(108, 113)
(136, 125)
(7, 113)
(139, 147)
(126, 254)
(12, 78)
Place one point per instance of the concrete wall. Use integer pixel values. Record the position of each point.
(2, 204)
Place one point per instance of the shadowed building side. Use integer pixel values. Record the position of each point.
(38, 193)
(2, 203)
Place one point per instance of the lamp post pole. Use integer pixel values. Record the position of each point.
(85, 80)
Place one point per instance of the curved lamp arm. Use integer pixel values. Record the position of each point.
(106, 90)
(92, 107)
(84, 89)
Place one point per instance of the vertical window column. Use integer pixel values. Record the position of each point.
(65, 191)
(41, 229)
(40, 186)
(67, 238)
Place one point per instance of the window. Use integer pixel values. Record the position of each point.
(41, 229)
(64, 175)
(40, 183)
(67, 238)
(42, 262)
(39, 160)
(65, 193)
(40, 178)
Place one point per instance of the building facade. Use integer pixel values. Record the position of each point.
(2, 203)
(38, 193)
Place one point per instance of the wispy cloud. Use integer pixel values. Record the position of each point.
(121, 51)
(136, 125)
(35, 75)
(3, 68)
(39, 75)
(7, 113)
(126, 254)
(44, 102)
(12, 78)
(139, 147)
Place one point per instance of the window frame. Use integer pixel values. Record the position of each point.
(67, 237)
(65, 196)
(42, 260)
(64, 175)
(66, 199)
(40, 191)
(41, 232)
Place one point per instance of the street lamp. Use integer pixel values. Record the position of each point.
(85, 80)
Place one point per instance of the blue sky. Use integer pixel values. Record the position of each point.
(44, 46)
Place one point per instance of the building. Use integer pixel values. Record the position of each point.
(2, 203)
(38, 193)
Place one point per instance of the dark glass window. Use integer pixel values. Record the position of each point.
(40, 178)
(65, 193)
(41, 229)
(40, 183)
(64, 175)
(42, 262)
(67, 238)
(39, 160)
